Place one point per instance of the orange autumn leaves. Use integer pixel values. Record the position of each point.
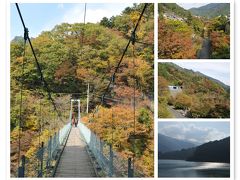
(174, 42)
(220, 44)
(116, 125)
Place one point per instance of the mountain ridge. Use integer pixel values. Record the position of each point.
(211, 10)
(225, 86)
(212, 151)
(166, 143)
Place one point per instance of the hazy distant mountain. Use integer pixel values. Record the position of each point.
(182, 154)
(212, 10)
(18, 39)
(213, 151)
(166, 144)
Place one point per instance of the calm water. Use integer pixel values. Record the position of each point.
(181, 168)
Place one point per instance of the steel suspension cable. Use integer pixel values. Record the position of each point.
(125, 50)
(37, 63)
(84, 21)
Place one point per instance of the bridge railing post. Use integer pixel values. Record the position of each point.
(41, 152)
(49, 158)
(101, 149)
(130, 169)
(110, 172)
(95, 145)
(21, 169)
(53, 145)
(58, 141)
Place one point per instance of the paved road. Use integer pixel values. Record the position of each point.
(204, 53)
(75, 161)
(175, 113)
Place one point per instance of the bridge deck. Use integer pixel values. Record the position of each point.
(75, 161)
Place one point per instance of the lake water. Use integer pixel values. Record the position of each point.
(181, 168)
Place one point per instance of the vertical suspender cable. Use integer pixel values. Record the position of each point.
(21, 104)
(83, 28)
(39, 132)
(84, 21)
(113, 80)
(125, 50)
(134, 98)
(45, 85)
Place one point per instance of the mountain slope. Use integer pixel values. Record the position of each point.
(212, 10)
(173, 7)
(225, 86)
(201, 97)
(184, 75)
(166, 143)
(213, 151)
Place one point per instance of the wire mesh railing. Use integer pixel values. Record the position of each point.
(43, 161)
(109, 163)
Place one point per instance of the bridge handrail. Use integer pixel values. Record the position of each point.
(43, 160)
(108, 161)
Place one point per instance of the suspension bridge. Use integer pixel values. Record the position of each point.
(75, 151)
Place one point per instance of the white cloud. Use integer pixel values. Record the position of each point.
(93, 16)
(192, 132)
(93, 13)
(75, 13)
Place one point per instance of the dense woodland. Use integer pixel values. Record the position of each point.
(201, 96)
(73, 55)
(181, 33)
(213, 151)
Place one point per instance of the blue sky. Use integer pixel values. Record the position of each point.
(195, 132)
(39, 17)
(191, 5)
(217, 70)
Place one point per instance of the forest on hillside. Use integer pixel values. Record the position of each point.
(200, 95)
(213, 151)
(192, 34)
(71, 57)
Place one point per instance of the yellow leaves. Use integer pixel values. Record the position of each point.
(19, 60)
(134, 16)
(14, 134)
(31, 152)
(183, 101)
(82, 73)
(35, 143)
(32, 122)
(85, 74)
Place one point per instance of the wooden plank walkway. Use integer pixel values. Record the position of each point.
(75, 161)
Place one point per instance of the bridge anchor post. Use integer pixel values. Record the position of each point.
(130, 169)
(21, 169)
(110, 173)
(40, 173)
